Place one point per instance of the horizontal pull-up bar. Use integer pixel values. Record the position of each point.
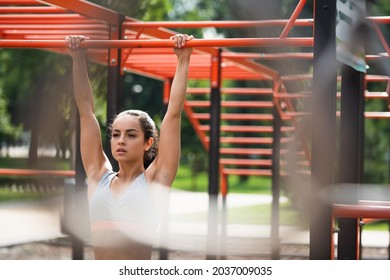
(231, 23)
(30, 10)
(227, 42)
(217, 24)
(31, 172)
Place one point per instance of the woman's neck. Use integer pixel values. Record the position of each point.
(129, 173)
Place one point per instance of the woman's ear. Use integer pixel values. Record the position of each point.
(149, 144)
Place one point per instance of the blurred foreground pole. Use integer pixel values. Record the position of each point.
(80, 212)
(215, 114)
(350, 48)
(351, 157)
(275, 221)
(323, 129)
(164, 237)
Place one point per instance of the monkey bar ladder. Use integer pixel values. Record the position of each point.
(274, 113)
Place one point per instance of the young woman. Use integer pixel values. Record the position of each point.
(122, 208)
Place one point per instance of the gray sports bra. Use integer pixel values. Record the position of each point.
(133, 210)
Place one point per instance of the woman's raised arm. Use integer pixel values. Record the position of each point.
(94, 160)
(167, 162)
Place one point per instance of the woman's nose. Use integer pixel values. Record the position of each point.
(121, 139)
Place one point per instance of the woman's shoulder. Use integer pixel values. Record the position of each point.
(106, 176)
(100, 179)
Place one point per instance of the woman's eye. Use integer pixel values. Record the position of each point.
(115, 135)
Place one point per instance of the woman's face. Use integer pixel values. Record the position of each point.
(127, 139)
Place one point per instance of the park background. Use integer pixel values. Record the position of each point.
(37, 113)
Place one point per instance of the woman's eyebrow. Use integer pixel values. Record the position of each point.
(127, 130)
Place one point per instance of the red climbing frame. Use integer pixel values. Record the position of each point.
(36, 24)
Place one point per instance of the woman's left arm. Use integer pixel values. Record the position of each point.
(167, 162)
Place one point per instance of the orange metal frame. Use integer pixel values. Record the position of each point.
(148, 51)
(366, 211)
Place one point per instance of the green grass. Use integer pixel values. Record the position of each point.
(7, 194)
(43, 163)
(184, 181)
(254, 214)
(378, 225)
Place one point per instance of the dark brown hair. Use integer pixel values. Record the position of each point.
(148, 126)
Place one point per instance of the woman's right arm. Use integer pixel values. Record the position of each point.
(94, 160)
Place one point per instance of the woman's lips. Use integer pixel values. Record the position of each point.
(121, 151)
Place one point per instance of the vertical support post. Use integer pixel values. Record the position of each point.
(351, 157)
(224, 192)
(79, 211)
(213, 181)
(115, 97)
(323, 129)
(275, 237)
(164, 252)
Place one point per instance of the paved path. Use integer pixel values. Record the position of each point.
(23, 222)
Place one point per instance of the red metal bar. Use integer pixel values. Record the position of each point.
(19, 2)
(166, 91)
(225, 116)
(246, 128)
(270, 56)
(232, 91)
(361, 211)
(230, 104)
(377, 115)
(35, 18)
(30, 172)
(378, 56)
(88, 9)
(267, 71)
(288, 55)
(292, 95)
(215, 71)
(240, 128)
(251, 162)
(31, 10)
(230, 42)
(374, 202)
(245, 140)
(245, 151)
(224, 183)
(382, 39)
(86, 25)
(376, 78)
(235, 23)
(373, 94)
(58, 32)
(195, 124)
(293, 19)
(217, 24)
(250, 172)
(380, 19)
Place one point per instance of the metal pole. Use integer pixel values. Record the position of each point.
(164, 251)
(218, 24)
(351, 157)
(215, 113)
(275, 237)
(224, 193)
(114, 87)
(79, 212)
(323, 129)
(162, 43)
